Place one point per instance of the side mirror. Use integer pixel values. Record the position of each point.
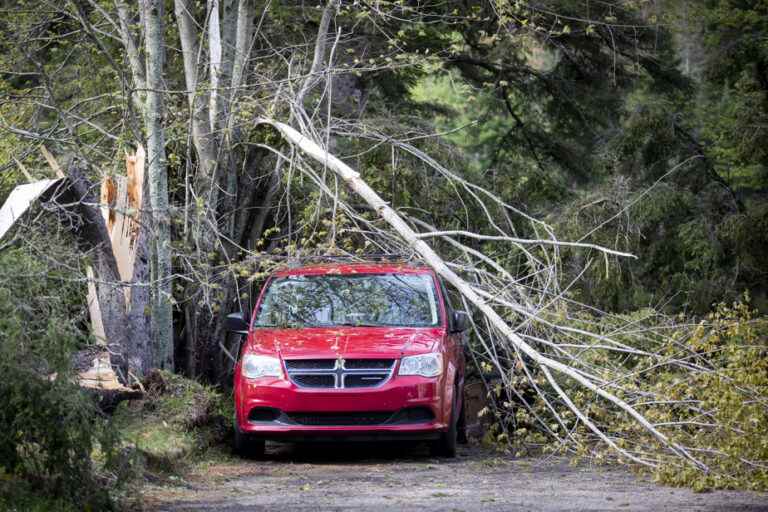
(236, 322)
(459, 321)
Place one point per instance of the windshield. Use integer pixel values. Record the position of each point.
(401, 300)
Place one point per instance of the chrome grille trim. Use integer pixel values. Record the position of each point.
(378, 371)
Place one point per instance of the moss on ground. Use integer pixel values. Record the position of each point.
(177, 422)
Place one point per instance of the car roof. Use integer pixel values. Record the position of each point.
(356, 268)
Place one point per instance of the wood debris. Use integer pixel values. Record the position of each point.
(20, 199)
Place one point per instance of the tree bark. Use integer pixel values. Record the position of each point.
(162, 318)
(215, 53)
(202, 137)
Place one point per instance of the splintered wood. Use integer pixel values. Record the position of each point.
(121, 200)
(19, 201)
(94, 309)
(96, 375)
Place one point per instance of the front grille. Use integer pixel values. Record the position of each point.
(339, 418)
(314, 381)
(339, 373)
(363, 381)
(368, 364)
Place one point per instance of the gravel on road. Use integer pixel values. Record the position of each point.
(393, 477)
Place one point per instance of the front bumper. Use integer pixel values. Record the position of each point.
(391, 402)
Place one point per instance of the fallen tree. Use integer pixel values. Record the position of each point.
(480, 299)
(522, 321)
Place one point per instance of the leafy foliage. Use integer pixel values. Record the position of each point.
(715, 403)
(724, 410)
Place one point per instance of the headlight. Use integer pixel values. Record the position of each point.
(426, 365)
(261, 366)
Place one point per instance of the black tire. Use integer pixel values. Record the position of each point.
(461, 435)
(247, 446)
(446, 445)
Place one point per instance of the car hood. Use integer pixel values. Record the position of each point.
(345, 341)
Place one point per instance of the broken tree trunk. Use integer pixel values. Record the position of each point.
(123, 205)
(117, 294)
(118, 235)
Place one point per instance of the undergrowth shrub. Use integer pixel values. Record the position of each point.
(48, 432)
(49, 429)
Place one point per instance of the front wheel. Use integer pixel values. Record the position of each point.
(461, 435)
(246, 445)
(446, 445)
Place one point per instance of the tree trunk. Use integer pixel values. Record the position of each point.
(131, 49)
(214, 50)
(162, 318)
(202, 137)
(244, 31)
(228, 34)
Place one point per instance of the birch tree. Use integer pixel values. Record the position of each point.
(162, 317)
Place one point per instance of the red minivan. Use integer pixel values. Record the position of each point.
(370, 351)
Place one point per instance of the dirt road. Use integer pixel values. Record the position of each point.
(404, 477)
